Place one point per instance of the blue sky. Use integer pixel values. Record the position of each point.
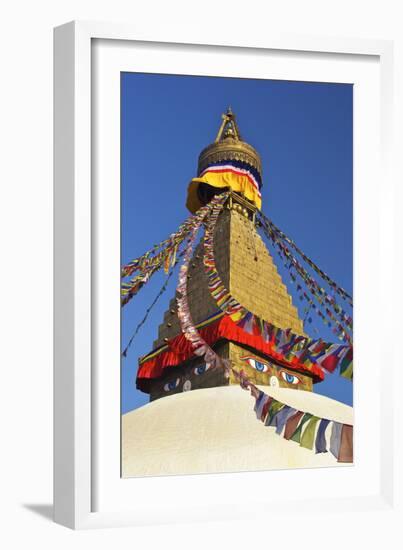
(303, 132)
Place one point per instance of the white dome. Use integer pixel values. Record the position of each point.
(215, 430)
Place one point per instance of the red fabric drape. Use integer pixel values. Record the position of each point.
(179, 350)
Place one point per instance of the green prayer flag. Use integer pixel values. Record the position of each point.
(296, 436)
(348, 373)
(346, 362)
(275, 406)
(308, 436)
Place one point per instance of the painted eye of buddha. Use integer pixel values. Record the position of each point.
(256, 364)
(290, 378)
(201, 369)
(172, 385)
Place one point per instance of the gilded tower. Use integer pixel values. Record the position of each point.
(248, 272)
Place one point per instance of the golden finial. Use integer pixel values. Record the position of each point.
(229, 127)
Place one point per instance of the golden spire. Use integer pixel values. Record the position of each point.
(229, 127)
(229, 145)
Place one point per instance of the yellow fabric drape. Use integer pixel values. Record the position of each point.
(236, 182)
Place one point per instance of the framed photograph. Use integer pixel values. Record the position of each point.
(222, 236)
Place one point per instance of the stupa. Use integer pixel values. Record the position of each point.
(248, 272)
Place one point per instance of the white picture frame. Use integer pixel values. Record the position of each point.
(80, 429)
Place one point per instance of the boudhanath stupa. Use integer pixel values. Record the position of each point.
(199, 418)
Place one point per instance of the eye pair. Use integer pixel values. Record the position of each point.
(260, 366)
(173, 384)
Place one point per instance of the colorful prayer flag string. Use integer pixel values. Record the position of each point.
(266, 223)
(309, 352)
(301, 427)
(148, 310)
(344, 322)
(339, 329)
(200, 346)
(161, 255)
